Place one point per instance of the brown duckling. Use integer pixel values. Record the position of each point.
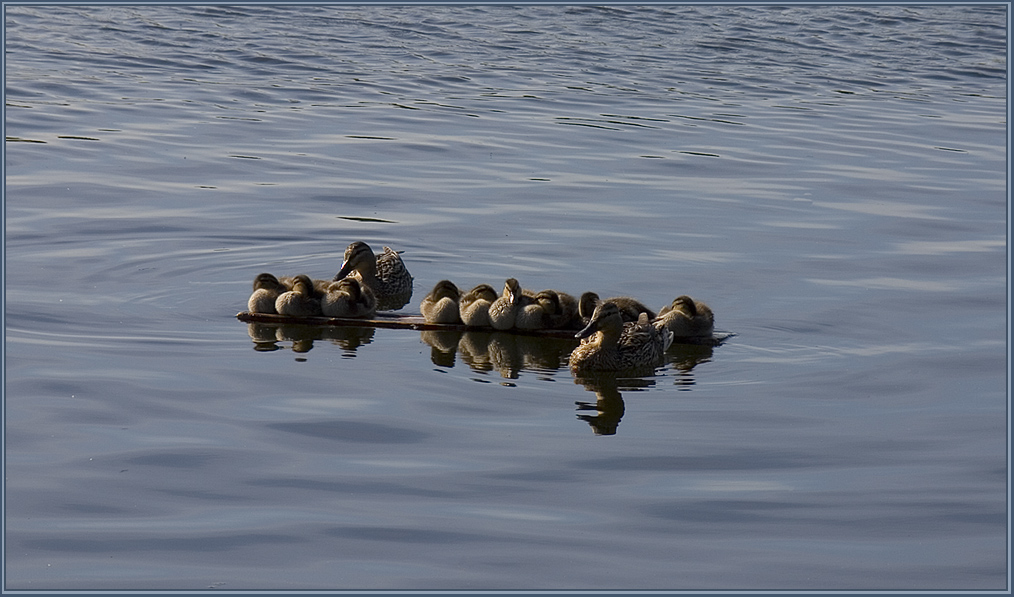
(473, 307)
(687, 318)
(441, 304)
(266, 289)
(504, 311)
(301, 301)
(348, 298)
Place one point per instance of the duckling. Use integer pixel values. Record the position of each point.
(301, 301)
(618, 346)
(473, 307)
(320, 287)
(441, 304)
(686, 318)
(630, 308)
(536, 315)
(561, 309)
(504, 311)
(386, 276)
(348, 298)
(266, 289)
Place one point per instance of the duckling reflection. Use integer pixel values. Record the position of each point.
(443, 346)
(508, 354)
(474, 349)
(267, 336)
(683, 358)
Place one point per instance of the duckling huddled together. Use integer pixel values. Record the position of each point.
(364, 284)
(617, 334)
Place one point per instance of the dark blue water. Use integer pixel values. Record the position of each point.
(830, 180)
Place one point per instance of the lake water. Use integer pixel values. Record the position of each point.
(830, 180)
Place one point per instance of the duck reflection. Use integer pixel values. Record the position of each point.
(267, 336)
(608, 405)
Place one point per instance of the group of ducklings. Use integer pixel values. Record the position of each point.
(616, 334)
(365, 284)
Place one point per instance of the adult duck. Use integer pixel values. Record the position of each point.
(686, 318)
(385, 275)
(348, 298)
(609, 344)
(301, 301)
(441, 304)
(473, 306)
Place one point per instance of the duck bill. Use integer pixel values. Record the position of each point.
(591, 328)
(344, 271)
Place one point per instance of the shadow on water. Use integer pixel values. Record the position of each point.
(507, 354)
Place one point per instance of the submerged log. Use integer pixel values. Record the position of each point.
(416, 322)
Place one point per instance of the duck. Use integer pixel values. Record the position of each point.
(348, 298)
(266, 289)
(301, 301)
(504, 311)
(386, 276)
(609, 344)
(630, 308)
(686, 318)
(441, 304)
(473, 307)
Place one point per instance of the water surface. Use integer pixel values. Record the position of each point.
(830, 180)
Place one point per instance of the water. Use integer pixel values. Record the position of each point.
(830, 180)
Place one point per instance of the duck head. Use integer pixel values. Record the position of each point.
(605, 316)
(358, 256)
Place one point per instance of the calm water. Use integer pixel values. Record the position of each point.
(831, 180)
